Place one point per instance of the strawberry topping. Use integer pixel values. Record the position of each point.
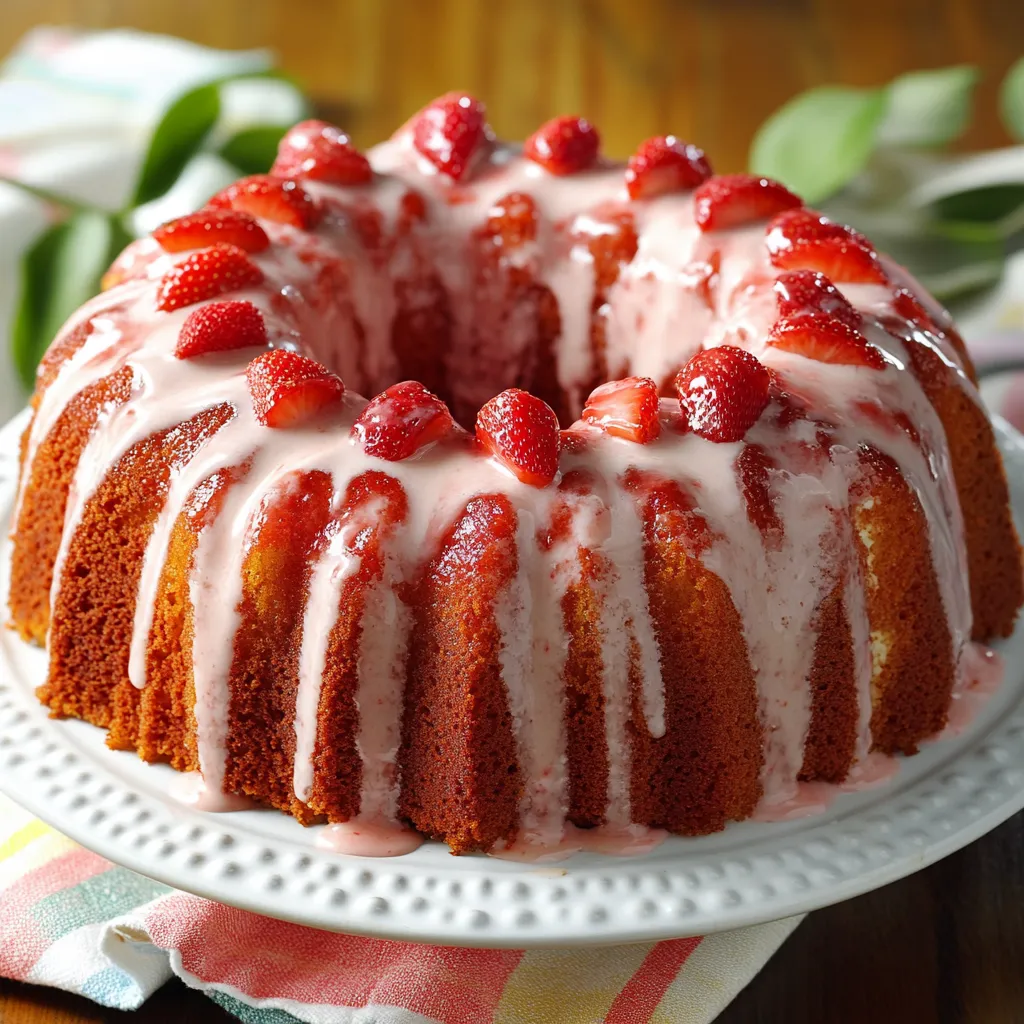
(564, 145)
(322, 152)
(401, 420)
(449, 131)
(625, 408)
(754, 466)
(825, 338)
(722, 392)
(521, 431)
(513, 220)
(805, 239)
(730, 200)
(278, 199)
(287, 388)
(219, 327)
(809, 291)
(206, 227)
(205, 275)
(665, 164)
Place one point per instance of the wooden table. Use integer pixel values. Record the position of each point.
(945, 946)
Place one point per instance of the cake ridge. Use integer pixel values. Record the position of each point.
(650, 532)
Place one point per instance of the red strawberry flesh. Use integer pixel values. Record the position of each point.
(625, 408)
(287, 388)
(321, 152)
(732, 200)
(521, 431)
(277, 199)
(564, 145)
(449, 131)
(722, 392)
(402, 420)
(826, 339)
(665, 164)
(220, 327)
(206, 274)
(808, 291)
(205, 227)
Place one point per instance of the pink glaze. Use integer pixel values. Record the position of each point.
(666, 305)
(981, 675)
(369, 839)
(190, 789)
(631, 841)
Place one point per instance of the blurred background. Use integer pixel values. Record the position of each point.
(904, 118)
(709, 70)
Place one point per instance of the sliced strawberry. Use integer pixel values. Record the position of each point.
(513, 220)
(722, 392)
(287, 388)
(825, 338)
(278, 199)
(219, 327)
(625, 408)
(731, 200)
(808, 291)
(205, 275)
(449, 131)
(807, 240)
(665, 164)
(402, 420)
(521, 431)
(564, 145)
(206, 227)
(322, 152)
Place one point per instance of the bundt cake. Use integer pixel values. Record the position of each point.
(731, 525)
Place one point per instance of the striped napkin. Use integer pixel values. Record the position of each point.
(72, 920)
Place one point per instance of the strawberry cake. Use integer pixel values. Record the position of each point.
(675, 499)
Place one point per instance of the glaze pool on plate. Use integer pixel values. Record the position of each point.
(950, 794)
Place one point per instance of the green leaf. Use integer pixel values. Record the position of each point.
(58, 273)
(928, 108)
(177, 138)
(820, 140)
(253, 150)
(1012, 100)
(1000, 207)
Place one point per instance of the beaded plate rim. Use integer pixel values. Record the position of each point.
(952, 793)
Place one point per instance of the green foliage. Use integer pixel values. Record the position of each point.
(1012, 100)
(820, 140)
(928, 108)
(61, 270)
(176, 140)
(252, 150)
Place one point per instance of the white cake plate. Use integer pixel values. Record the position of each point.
(950, 794)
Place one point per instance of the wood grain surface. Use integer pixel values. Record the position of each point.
(947, 945)
(708, 70)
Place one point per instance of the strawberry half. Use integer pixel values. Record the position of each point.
(205, 275)
(810, 291)
(206, 227)
(731, 200)
(625, 408)
(278, 199)
(826, 339)
(401, 420)
(513, 220)
(722, 392)
(322, 152)
(665, 164)
(287, 388)
(220, 327)
(564, 145)
(449, 131)
(521, 431)
(807, 240)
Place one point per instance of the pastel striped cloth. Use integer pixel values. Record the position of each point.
(72, 920)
